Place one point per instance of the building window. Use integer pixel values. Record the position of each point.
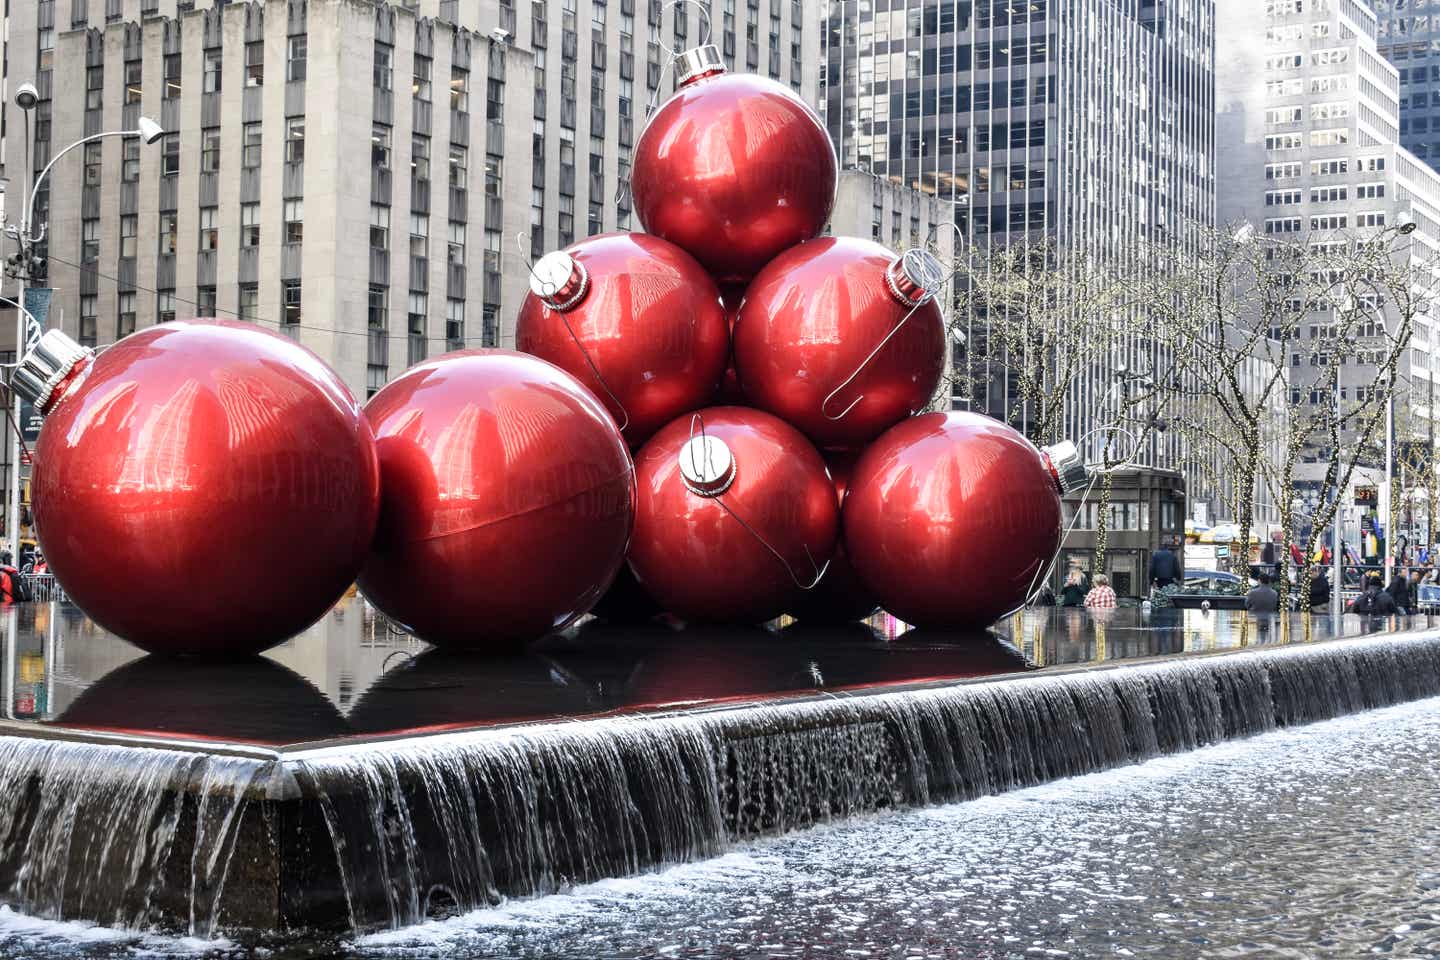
(94, 87)
(415, 319)
(172, 76)
(170, 155)
(255, 63)
(209, 231)
(164, 306)
(494, 99)
(129, 226)
(125, 318)
(249, 224)
(295, 58)
(290, 290)
(89, 320)
(294, 221)
(377, 307)
(294, 139)
(454, 324)
(90, 240)
(419, 235)
(458, 173)
(249, 305)
(210, 150)
(205, 302)
(420, 87)
(130, 162)
(169, 234)
(456, 243)
(382, 74)
(214, 64)
(460, 89)
(420, 157)
(93, 160)
(250, 147)
(133, 89)
(493, 166)
(379, 227)
(380, 147)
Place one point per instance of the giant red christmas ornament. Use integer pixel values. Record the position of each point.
(636, 320)
(735, 514)
(842, 338)
(840, 597)
(219, 463)
(508, 497)
(734, 168)
(732, 295)
(951, 517)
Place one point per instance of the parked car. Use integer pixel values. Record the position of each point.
(1225, 591)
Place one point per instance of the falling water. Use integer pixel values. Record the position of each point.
(108, 834)
(457, 822)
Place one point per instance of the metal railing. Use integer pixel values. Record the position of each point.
(43, 587)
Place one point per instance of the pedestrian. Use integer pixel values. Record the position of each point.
(1263, 598)
(1100, 595)
(1073, 593)
(40, 565)
(1320, 591)
(10, 589)
(1374, 601)
(1164, 566)
(1399, 590)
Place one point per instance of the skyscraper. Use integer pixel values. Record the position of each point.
(1408, 35)
(1089, 121)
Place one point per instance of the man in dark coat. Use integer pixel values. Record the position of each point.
(1165, 566)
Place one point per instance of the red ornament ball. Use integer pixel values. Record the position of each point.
(508, 497)
(219, 463)
(950, 518)
(708, 498)
(734, 168)
(730, 394)
(840, 597)
(812, 319)
(633, 318)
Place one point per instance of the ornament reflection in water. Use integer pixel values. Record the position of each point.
(508, 498)
(734, 168)
(951, 517)
(220, 464)
(735, 514)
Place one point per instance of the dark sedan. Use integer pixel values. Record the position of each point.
(1224, 591)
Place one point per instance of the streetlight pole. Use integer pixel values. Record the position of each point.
(1337, 544)
(20, 268)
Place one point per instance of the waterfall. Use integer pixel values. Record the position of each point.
(365, 835)
(455, 822)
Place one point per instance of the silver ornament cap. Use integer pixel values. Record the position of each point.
(698, 63)
(52, 359)
(1066, 466)
(707, 467)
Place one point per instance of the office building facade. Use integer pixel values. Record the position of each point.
(1087, 121)
(1408, 35)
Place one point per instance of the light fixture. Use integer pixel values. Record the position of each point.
(27, 96)
(150, 131)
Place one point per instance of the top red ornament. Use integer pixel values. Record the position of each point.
(951, 518)
(633, 318)
(219, 463)
(842, 338)
(734, 168)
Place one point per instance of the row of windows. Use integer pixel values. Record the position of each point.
(212, 74)
(1318, 138)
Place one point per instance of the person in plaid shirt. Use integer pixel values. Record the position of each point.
(1100, 595)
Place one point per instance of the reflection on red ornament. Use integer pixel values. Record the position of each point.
(812, 320)
(714, 491)
(840, 597)
(730, 394)
(950, 518)
(219, 463)
(508, 497)
(633, 318)
(734, 168)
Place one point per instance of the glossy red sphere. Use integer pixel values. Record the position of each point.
(508, 498)
(205, 488)
(840, 597)
(949, 519)
(734, 168)
(810, 320)
(730, 394)
(701, 563)
(651, 322)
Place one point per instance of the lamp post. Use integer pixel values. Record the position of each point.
(21, 267)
